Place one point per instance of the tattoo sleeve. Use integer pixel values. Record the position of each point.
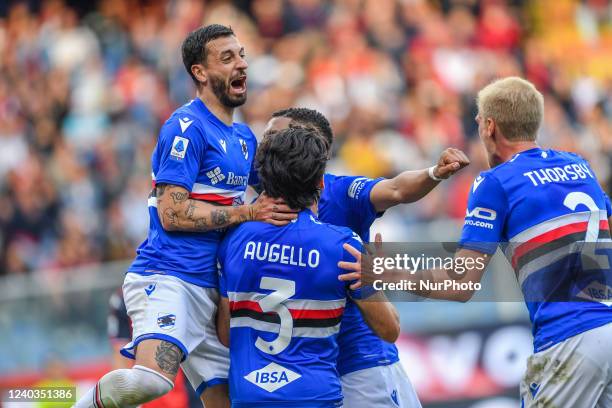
(168, 357)
(220, 217)
(178, 212)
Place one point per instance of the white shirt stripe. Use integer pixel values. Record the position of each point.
(313, 332)
(555, 223)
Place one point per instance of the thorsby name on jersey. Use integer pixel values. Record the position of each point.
(550, 210)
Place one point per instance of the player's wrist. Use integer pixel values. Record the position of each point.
(432, 173)
(248, 212)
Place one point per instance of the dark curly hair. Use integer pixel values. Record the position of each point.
(308, 117)
(291, 165)
(194, 46)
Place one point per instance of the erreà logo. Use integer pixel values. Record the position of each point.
(272, 377)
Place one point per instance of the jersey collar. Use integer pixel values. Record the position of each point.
(211, 116)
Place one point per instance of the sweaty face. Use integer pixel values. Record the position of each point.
(226, 68)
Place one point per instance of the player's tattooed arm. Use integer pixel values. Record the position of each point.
(168, 357)
(178, 212)
(411, 186)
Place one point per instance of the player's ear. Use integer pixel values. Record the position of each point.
(490, 124)
(198, 72)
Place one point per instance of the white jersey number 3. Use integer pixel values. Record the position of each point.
(273, 303)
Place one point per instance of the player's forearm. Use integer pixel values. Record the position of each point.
(438, 278)
(178, 212)
(380, 316)
(406, 187)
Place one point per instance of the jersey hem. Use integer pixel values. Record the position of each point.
(351, 368)
(539, 346)
(185, 277)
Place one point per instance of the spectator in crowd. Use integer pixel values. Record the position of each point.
(83, 92)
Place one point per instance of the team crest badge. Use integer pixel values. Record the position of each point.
(245, 149)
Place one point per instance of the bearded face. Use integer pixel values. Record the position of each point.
(231, 92)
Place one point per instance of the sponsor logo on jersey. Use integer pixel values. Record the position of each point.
(482, 213)
(179, 147)
(166, 320)
(597, 292)
(185, 122)
(245, 149)
(272, 377)
(149, 289)
(234, 180)
(356, 186)
(215, 175)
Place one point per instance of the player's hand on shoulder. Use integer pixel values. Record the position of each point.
(271, 210)
(451, 161)
(360, 271)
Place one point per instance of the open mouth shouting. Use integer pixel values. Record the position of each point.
(238, 85)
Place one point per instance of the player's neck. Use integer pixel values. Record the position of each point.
(223, 113)
(315, 208)
(508, 150)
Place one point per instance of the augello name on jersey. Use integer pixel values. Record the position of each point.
(283, 254)
(569, 172)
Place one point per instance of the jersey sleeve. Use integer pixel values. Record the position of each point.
(355, 191)
(485, 216)
(608, 205)
(180, 155)
(356, 242)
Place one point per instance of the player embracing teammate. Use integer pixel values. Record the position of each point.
(201, 166)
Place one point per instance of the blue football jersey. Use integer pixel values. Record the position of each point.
(286, 305)
(345, 201)
(213, 161)
(549, 210)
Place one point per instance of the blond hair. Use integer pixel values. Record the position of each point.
(515, 105)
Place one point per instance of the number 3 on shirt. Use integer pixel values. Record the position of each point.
(283, 290)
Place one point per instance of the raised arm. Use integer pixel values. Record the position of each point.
(178, 212)
(411, 186)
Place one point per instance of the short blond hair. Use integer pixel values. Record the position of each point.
(515, 105)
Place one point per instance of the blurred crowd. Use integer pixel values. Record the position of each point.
(84, 88)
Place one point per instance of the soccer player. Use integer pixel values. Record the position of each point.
(372, 375)
(119, 329)
(547, 207)
(201, 167)
(280, 290)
